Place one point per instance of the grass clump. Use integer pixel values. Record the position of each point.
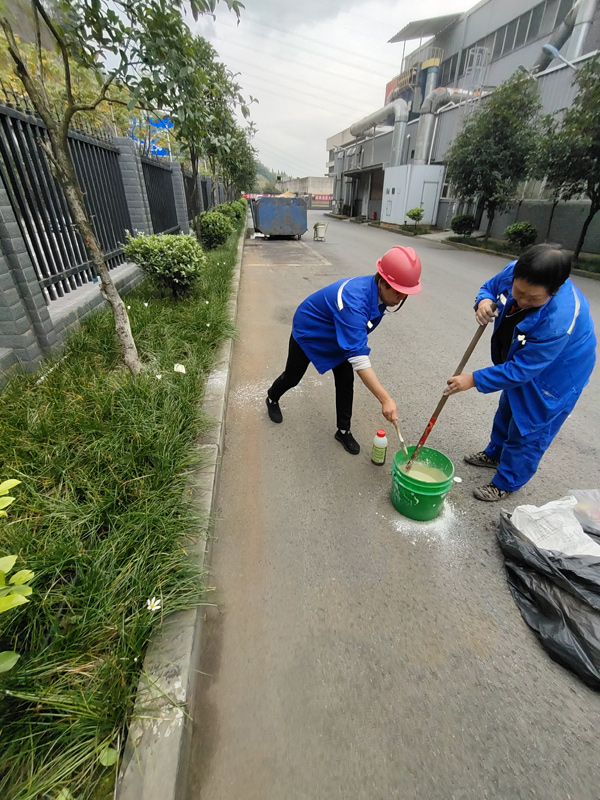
(101, 518)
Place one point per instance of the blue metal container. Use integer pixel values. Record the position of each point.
(279, 216)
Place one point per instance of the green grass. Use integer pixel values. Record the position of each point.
(420, 230)
(590, 262)
(102, 518)
(493, 245)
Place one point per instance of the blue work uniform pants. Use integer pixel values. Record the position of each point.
(519, 455)
(297, 364)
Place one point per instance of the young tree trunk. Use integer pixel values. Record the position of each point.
(479, 213)
(593, 211)
(488, 230)
(195, 200)
(65, 175)
(64, 172)
(554, 204)
(518, 210)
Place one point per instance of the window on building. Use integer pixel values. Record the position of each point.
(393, 190)
(537, 15)
(522, 29)
(463, 62)
(509, 39)
(563, 9)
(499, 43)
(444, 69)
(453, 62)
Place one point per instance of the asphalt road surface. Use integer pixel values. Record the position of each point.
(352, 653)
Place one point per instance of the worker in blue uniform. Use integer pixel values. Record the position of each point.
(330, 329)
(543, 351)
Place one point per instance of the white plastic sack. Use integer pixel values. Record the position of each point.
(587, 509)
(554, 526)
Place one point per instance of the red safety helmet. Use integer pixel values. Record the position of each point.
(401, 268)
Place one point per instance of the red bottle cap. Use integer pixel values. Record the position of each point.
(380, 433)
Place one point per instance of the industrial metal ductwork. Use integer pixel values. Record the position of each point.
(432, 103)
(398, 111)
(576, 26)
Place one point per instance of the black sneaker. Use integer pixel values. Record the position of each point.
(348, 441)
(481, 460)
(274, 411)
(490, 493)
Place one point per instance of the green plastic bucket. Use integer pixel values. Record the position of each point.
(417, 499)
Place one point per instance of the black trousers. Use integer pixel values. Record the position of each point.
(296, 366)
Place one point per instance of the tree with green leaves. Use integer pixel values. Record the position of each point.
(202, 105)
(553, 166)
(239, 165)
(123, 44)
(570, 150)
(494, 151)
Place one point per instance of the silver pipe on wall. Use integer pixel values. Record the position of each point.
(581, 26)
(434, 101)
(398, 111)
(565, 29)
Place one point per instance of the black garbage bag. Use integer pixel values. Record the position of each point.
(559, 598)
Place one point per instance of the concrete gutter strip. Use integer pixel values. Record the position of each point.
(156, 758)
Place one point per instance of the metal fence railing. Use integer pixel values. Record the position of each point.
(55, 248)
(161, 198)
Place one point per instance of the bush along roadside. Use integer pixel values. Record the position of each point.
(101, 519)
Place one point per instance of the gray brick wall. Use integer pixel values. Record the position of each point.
(566, 224)
(31, 329)
(25, 325)
(133, 182)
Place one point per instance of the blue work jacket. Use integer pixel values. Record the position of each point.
(332, 324)
(551, 356)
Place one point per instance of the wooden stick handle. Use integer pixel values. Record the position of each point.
(438, 409)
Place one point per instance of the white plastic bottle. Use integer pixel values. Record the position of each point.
(380, 444)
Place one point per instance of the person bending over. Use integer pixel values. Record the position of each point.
(330, 329)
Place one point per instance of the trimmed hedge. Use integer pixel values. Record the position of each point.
(215, 229)
(170, 262)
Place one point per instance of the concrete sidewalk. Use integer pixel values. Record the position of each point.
(352, 653)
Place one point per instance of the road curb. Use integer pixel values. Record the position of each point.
(156, 757)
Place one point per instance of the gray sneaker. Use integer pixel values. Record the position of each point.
(490, 493)
(481, 460)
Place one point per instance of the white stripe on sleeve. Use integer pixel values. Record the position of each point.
(360, 362)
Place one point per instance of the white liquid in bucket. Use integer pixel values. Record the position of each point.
(421, 472)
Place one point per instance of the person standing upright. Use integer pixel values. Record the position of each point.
(543, 353)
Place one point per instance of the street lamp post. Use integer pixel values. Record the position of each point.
(552, 51)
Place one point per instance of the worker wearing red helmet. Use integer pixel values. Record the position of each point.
(331, 327)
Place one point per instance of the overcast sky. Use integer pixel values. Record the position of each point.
(315, 66)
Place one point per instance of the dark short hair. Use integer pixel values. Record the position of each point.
(546, 265)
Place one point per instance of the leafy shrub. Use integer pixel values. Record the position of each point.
(228, 211)
(18, 589)
(215, 229)
(416, 214)
(171, 262)
(240, 209)
(463, 224)
(521, 234)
